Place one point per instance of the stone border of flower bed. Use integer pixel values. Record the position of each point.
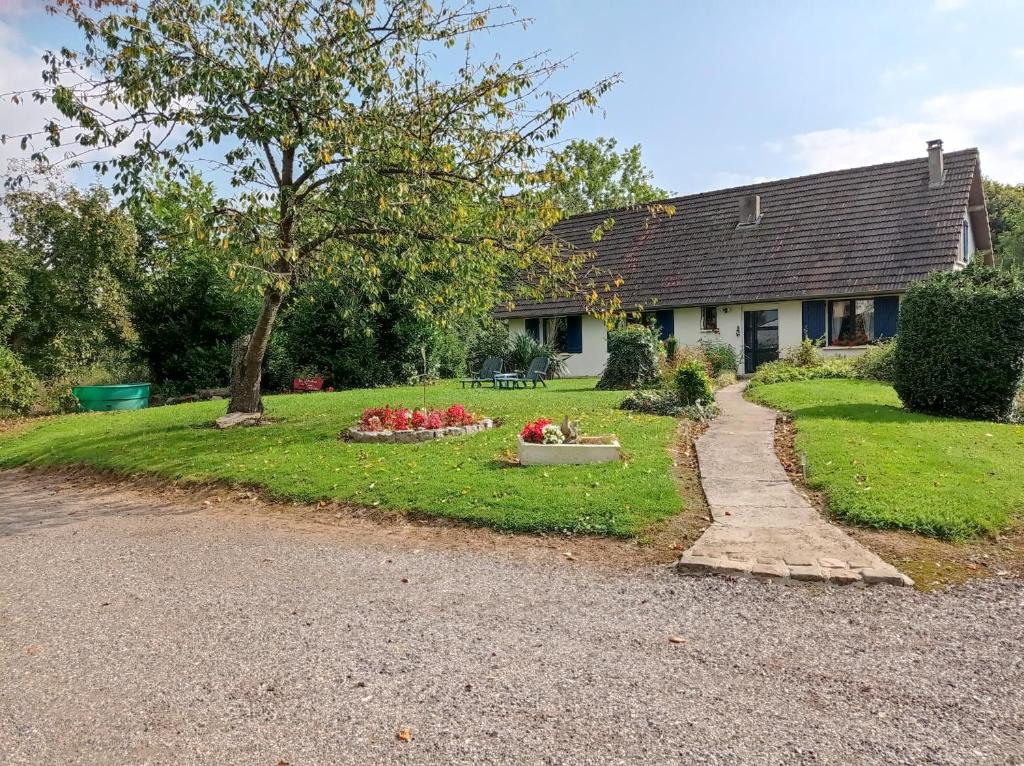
(411, 436)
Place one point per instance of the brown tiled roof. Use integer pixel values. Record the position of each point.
(862, 231)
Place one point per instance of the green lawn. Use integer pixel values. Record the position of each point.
(885, 467)
(299, 456)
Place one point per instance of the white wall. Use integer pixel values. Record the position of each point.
(595, 347)
(730, 325)
(688, 332)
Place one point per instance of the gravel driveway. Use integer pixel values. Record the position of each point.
(134, 632)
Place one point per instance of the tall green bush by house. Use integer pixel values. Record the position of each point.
(633, 355)
(17, 384)
(692, 383)
(961, 344)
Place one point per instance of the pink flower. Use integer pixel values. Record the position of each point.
(434, 420)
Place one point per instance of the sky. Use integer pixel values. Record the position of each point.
(725, 92)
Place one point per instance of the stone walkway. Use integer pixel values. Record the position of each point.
(761, 524)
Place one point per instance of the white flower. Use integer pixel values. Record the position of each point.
(552, 434)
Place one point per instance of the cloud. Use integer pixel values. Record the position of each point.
(988, 118)
(1017, 54)
(944, 6)
(902, 73)
(726, 180)
(20, 69)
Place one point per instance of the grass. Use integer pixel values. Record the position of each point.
(884, 467)
(300, 457)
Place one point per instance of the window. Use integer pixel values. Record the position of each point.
(574, 334)
(853, 323)
(662, 321)
(709, 318)
(554, 333)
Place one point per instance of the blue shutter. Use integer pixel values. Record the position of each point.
(887, 312)
(666, 322)
(533, 328)
(574, 335)
(814, 320)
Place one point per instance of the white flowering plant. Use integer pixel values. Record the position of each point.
(552, 434)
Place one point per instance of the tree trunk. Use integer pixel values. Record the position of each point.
(247, 371)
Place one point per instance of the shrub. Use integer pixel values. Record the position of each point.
(633, 354)
(17, 384)
(961, 344)
(692, 383)
(805, 354)
(671, 346)
(722, 356)
(685, 355)
(877, 363)
(523, 349)
(784, 371)
(666, 402)
(489, 339)
(724, 379)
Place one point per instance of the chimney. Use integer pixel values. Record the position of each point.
(750, 209)
(935, 175)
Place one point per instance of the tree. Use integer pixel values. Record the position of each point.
(188, 312)
(354, 140)
(75, 258)
(592, 175)
(1006, 217)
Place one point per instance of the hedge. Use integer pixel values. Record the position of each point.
(961, 344)
(17, 384)
(633, 354)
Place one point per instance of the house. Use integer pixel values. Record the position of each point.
(761, 267)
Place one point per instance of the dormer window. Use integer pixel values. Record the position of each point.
(749, 210)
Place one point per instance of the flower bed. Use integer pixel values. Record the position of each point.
(541, 442)
(402, 425)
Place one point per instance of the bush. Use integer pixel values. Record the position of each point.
(806, 354)
(692, 383)
(523, 349)
(722, 357)
(961, 344)
(784, 371)
(490, 338)
(17, 384)
(187, 318)
(666, 402)
(671, 347)
(877, 363)
(633, 355)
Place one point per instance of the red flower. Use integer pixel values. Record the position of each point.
(534, 432)
(455, 415)
(401, 419)
(434, 420)
(418, 419)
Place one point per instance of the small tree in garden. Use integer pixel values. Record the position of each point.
(633, 355)
(354, 142)
(961, 344)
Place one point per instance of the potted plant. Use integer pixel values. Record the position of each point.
(541, 442)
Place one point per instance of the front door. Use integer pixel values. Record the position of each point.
(760, 338)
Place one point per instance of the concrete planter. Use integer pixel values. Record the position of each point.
(589, 449)
(411, 436)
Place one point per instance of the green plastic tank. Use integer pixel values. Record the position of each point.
(127, 396)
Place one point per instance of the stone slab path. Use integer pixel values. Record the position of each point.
(761, 525)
